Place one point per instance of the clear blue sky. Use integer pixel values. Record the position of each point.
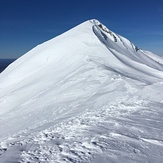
(27, 23)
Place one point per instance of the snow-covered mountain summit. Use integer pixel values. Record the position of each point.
(81, 42)
(79, 97)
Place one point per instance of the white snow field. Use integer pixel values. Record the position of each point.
(86, 96)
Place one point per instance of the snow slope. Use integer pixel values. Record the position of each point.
(88, 95)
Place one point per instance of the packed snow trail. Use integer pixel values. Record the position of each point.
(88, 95)
(128, 129)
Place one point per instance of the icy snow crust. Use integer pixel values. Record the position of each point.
(88, 95)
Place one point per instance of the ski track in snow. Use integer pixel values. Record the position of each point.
(102, 103)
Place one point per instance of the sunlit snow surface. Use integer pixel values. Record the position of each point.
(88, 95)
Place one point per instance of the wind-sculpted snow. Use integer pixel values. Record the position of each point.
(88, 95)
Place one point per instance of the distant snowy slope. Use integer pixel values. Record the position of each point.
(84, 96)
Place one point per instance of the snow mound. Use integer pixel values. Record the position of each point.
(84, 96)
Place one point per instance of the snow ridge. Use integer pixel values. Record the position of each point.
(88, 95)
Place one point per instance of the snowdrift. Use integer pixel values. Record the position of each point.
(63, 93)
